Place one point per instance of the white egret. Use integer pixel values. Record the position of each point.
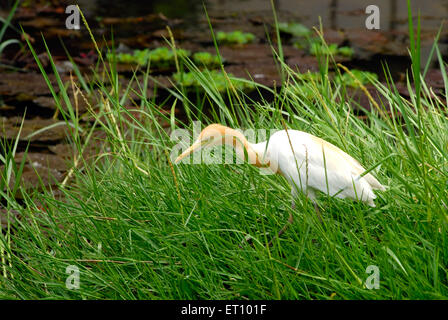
(309, 163)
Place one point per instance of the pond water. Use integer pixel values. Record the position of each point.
(347, 15)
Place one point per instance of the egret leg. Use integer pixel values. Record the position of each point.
(316, 208)
(312, 196)
(290, 221)
(248, 240)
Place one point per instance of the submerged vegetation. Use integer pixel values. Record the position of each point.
(139, 227)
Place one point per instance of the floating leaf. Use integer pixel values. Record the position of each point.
(294, 29)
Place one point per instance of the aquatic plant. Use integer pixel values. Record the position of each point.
(294, 29)
(159, 57)
(165, 56)
(318, 48)
(346, 51)
(206, 59)
(235, 37)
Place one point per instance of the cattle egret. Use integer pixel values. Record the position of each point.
(309, 163)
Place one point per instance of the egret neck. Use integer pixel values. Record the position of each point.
(217, 134)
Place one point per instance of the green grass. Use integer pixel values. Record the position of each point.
(5, 23)
(139, 227)
(219, 80)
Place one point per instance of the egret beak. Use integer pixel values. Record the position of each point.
(195, 146)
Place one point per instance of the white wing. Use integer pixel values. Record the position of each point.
(319, 165)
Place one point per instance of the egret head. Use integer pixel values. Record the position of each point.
(212, 135)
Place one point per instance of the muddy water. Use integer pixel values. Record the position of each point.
(335, 14)
(138, 25)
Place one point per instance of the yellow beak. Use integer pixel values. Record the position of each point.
(195, 146)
